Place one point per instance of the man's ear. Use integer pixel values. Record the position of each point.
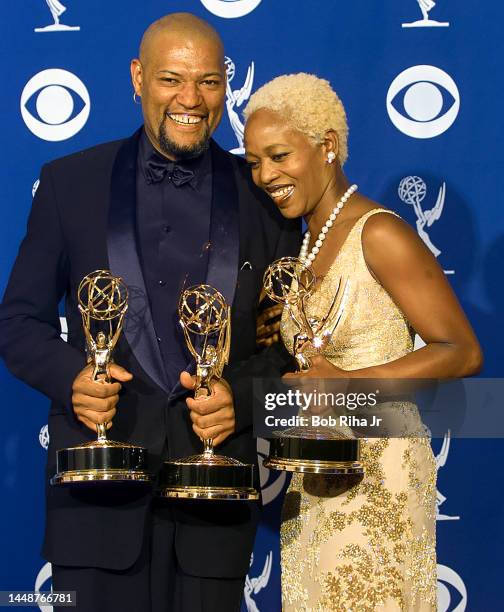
(136, 76)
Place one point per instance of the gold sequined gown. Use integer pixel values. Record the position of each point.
(370, 547)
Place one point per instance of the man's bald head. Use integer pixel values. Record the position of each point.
(182, 26)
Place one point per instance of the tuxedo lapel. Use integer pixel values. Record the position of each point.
(124, 262)
(224, 227)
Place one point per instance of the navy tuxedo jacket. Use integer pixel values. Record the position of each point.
(83, 219)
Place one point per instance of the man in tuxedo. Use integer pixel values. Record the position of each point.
(162, 209)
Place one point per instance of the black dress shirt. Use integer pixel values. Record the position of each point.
(173, 226)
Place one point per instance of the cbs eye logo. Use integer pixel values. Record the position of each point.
(423, 101)
(452, 592)
(230, 9)
(55, 104)
(272, 482)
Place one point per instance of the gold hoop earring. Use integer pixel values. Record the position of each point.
(136, 98)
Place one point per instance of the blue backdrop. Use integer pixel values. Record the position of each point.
(421, 88)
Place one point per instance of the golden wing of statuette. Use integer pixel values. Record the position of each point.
(330, 322)
(224, 344)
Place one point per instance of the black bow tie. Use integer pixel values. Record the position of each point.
(156, 168)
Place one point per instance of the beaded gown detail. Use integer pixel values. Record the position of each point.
(370, 547)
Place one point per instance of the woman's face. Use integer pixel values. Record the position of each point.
(285, 163)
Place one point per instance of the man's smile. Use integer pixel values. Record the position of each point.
(185, 118)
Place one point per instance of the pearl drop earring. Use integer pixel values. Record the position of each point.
(331, 156)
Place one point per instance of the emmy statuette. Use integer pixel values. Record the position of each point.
(319, 450)
(103, 302)
(206, 321)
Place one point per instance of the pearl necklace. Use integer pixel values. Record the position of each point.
(308, 259)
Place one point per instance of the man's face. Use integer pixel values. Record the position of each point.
(181, 81)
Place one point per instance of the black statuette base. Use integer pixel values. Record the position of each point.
(329, 456)
(190, 479)
(101, 462)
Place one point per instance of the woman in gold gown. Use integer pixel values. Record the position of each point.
(371, 546)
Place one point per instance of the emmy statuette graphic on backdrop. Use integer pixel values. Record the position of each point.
(412, 190)
(103, 302)
(44, 437)
(235, 98)
(205, 318)
(452, 591)
(320, 450)
(426, 6)
(255, 585)
(57, 9)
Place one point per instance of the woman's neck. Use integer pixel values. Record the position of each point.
(332, 195)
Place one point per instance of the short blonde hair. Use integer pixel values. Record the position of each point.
(308, 104)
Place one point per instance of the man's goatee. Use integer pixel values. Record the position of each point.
(180, 152)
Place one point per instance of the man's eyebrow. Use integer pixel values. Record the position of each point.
(203, 76)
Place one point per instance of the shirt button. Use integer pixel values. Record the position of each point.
(167, 229)
(161, 283)
(158, 339)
